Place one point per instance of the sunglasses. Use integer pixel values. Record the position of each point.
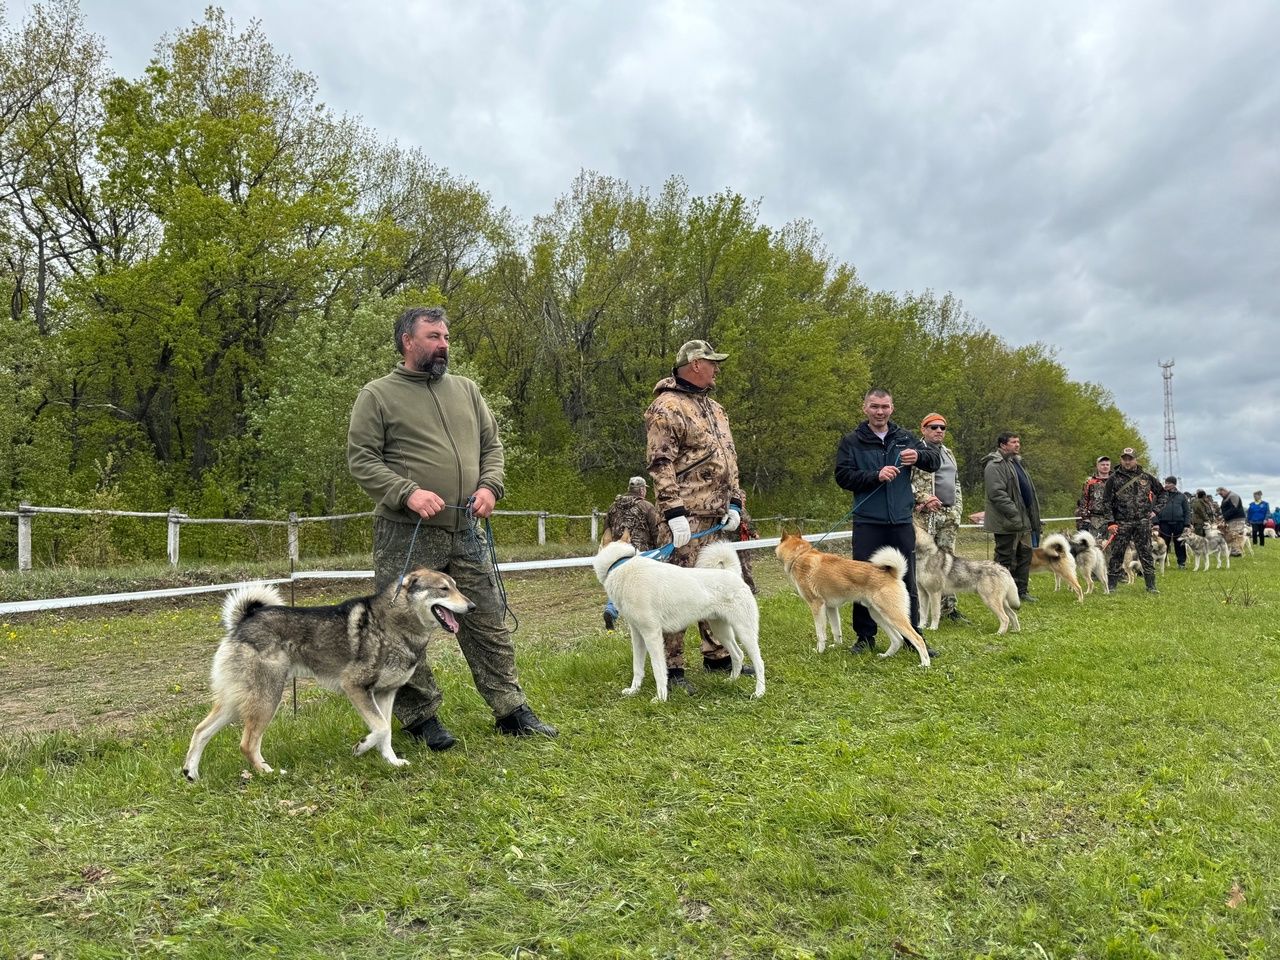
(936, 426)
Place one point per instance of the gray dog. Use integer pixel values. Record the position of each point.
(366, 648)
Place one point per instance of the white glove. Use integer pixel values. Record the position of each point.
(680, 533)
(730, 520)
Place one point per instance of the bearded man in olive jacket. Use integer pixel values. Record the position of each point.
(423, 445)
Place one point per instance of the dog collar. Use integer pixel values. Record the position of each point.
(616, 563)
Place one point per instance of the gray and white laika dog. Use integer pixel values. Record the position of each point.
(939, 573)
(367, 648)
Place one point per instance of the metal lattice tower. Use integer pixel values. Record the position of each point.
(1170, 434)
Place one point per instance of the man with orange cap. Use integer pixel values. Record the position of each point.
(937, 497)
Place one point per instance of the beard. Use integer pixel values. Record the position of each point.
(434, 365)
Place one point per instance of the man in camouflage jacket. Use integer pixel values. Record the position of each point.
(694, 466)
(631, 513)
(1131, 498)
(1089, 513)
(938, 504)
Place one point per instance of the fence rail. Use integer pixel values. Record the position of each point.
(176, 520)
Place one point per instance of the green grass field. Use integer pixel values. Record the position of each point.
(1103, 784)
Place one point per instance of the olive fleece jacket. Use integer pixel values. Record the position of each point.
(409, 431)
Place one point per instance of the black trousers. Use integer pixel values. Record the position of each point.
(867, 539)
(1170, 533)
(1013, 552)
(1259, 534)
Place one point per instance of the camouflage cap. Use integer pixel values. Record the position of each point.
(1127, 452)
(637, 481)
(698, 350)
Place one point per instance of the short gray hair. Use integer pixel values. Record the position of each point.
(405, 322)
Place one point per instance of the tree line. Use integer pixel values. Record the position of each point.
(202, 265)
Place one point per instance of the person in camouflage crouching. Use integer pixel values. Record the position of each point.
(1131, 500)
(631, 513)
(694, 465)
(938, 504)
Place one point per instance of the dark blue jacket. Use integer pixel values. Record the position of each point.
(859, 459)
(1257, 511)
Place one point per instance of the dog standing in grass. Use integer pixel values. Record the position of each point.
(939, 572)
(658, 598)
(366, 648)
(827, 582)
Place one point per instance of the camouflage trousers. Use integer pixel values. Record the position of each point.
(944, 526)
(1237, 531)
(1137, 533)
(482, 635)
(687, 556)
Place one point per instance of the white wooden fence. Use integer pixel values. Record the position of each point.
(176, 520)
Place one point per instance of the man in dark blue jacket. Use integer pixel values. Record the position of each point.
(875, 462)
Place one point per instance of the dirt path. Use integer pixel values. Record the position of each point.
(114, 669)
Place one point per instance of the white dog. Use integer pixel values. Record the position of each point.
(1091, 562)
(657, 598)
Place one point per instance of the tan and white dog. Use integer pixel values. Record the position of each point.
(656, 598)
(827, 582)
(1054, 555)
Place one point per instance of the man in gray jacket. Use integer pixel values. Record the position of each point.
(1013, 510)
(423, 445)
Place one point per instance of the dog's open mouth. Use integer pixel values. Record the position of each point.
(444, 616)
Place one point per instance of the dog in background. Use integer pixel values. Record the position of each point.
(1159, 550)
(1054, 555)
(367, 648)
(827, 582)
(656, 598)
(1213, 542)
(1091, 562)
(939, 572)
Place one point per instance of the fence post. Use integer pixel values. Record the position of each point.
(175, 524)
(293, 536)
(25, 514)
(595, 524)
(542, 529)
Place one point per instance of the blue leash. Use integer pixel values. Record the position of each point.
(662, 553)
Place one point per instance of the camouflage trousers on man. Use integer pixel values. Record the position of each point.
(687, 556)
(944, 526)
(1137, 533)
(482, 634)
(1236, 534)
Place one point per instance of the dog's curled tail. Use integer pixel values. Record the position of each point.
(1056, 546)
(719, 556)
(242, 602)
(1011, 592)
(891, 559)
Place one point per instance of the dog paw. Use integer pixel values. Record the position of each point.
(397, 761)
(630, 691)
(191, 775)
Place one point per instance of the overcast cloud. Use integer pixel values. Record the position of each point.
(1103, 177)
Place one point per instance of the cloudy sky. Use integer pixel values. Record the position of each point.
(1103, 177)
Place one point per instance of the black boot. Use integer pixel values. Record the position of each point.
(1151, 583)
(433, 733)
(523, 722)
(724, 665)
(676, 678)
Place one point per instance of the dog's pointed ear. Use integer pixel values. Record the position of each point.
(606, 538)
(626, 537)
